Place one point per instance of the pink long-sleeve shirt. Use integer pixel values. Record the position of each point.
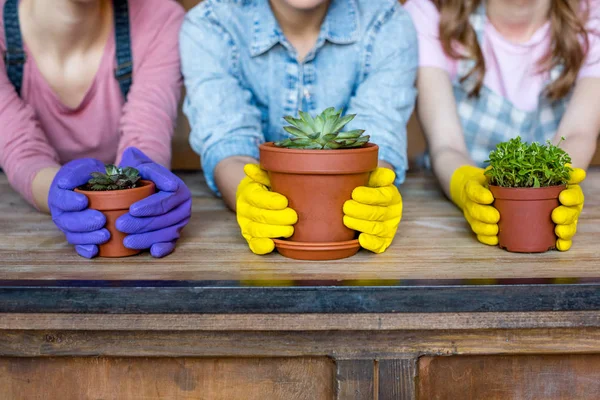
(37, 130)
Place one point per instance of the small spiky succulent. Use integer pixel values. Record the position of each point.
(323, 132)
(115, 178)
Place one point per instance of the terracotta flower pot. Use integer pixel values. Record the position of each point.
(317, 183)
(113, 204)
(526, 218)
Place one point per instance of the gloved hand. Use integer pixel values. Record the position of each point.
(469, 193)
(156, 221)
(375, 210)
(566, 216)
(262, 215)
(82, 226)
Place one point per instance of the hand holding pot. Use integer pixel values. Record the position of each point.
(566, 216)
(469, 193)
(82, 226)
(156, 221)
(375, 210)
(261, 214)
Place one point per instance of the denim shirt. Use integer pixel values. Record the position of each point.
(242, 76)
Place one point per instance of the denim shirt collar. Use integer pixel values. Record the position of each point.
(341, 25)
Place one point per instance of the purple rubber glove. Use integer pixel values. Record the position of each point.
(156, 221)
(82, 226)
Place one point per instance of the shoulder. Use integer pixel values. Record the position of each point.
(425, 16)
(234, 16)
(217, 24)
(150, 17)
(388, 17)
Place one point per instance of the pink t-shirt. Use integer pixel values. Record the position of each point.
(39, 131)
(511, 68)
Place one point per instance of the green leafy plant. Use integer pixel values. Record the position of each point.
(115, 178)
(521, 165)
(324, 132)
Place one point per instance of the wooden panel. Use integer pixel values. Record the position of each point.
(355, 380)
(165, 378)
(510, 377)
(397, 379)
(433, 242)
(341, 345)
(299, 322)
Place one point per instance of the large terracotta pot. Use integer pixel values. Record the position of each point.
(317, 183)
(113, 204)
(526, 218)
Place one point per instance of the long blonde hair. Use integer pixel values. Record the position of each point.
(569, 40)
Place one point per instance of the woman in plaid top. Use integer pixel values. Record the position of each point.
(529, 70)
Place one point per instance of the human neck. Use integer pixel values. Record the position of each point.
(518, 20)
(300, 27)
(64, 26)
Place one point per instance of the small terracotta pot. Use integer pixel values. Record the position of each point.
(526, 218)
(113, 204)
(317, 183)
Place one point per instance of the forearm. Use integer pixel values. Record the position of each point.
(580, 125)
(581, 148)
(41, 186)
(228, 174)
(445, 162)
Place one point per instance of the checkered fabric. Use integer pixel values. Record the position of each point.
(489, 118)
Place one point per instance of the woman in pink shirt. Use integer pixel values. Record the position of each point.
(89, 82)
(496, 69)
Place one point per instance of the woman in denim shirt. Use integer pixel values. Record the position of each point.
(247, 64)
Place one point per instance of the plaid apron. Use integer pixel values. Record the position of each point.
(490, 118)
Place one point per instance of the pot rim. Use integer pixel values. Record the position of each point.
(527, 194)
(106, 193)
(270, 146)
(112, 200)
(318, 162)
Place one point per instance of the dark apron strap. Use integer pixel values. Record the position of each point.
(124, 70)
(14, 56)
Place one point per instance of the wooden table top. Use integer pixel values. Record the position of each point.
(433, 242)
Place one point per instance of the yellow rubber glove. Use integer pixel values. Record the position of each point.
(261, 214)
(469, 192)
(375, 210)
(566, 216)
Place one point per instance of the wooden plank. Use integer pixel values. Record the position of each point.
(166, 378)
(433, 242)
(337, 344)
(299, 322)
(397, 379)
(354, 380)
(548, 377)
(318, 299)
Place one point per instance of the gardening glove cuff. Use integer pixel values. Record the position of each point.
(567, 214)
(83, 227)
(375, 211)
(469, 192)
(155, 222)
(262, 215)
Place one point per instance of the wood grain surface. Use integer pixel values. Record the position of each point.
(355, 380)
(433, 242)
(300, 322)
(548, 377)
(336, 344)
(166, 378)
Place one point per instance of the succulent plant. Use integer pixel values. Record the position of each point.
(324, 132)
(115, 178)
